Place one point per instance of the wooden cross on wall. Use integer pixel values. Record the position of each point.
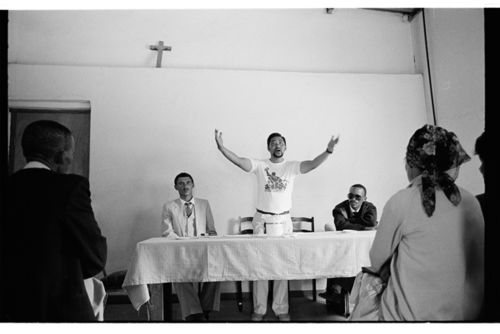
(160, 48)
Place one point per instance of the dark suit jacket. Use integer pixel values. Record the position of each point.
(365, 218)
(482, 202)
(50, 242)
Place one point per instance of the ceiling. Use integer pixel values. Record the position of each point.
(411, 12)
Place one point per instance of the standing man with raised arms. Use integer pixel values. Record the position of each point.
(275, 178)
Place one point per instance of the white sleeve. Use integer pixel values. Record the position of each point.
(166, 223)
(296, 167)
(254, 164)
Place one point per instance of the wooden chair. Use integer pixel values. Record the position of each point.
(115, 294)
(304, 224)
(246, 226)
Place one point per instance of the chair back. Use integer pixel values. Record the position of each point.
(303, 224)
(246, 226)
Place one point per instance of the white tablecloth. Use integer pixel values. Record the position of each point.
(246, 258)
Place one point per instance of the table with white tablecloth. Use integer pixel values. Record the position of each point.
(245, 258)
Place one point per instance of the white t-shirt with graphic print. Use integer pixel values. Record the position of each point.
(274, 184)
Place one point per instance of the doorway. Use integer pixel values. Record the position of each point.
(75, 115)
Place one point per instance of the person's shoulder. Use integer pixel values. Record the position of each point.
(70, 180)
(468, 197)
(341, 204)
(202, 201)
(403, 195)
(71, 177)
(31, 173)
(369, 204)
(465, 193)
(172, 203)
(257, 163)
(67, 180)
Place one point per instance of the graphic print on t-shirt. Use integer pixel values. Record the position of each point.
(274, 182)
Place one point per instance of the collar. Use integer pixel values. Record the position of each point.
(36, 164)
(415, 181)
(276, 163)
(183, 202)
(352, 209)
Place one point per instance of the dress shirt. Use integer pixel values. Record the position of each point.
(191, 229)
(36, 164)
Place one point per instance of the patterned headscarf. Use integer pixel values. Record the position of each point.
(434, 150)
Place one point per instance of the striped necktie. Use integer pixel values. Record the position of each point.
(189, 209)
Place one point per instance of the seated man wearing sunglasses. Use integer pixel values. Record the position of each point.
(355, 213)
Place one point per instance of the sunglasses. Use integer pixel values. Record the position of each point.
(356, 197)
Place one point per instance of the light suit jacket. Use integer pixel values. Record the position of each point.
(174, 220)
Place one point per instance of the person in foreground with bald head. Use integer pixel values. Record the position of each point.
(50, 241)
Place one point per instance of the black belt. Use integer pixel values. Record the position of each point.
(272, 213)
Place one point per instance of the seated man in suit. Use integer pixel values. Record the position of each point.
(190, 216)
(355, 213)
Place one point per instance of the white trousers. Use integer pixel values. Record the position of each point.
(259, 220)
(280, 287)
(280, 297)
(191, 303)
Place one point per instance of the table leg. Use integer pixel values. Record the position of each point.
(167, 301)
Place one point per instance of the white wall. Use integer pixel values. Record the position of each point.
(347, 41)
(141, 138)
(137, 110)
(456, 54)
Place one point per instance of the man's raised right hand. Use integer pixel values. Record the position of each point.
(218, 138)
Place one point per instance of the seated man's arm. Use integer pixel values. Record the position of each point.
(367, 219)
(167, 229)
(210, 221)
(340, 218)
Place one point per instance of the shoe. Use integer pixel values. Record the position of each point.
(325, 294)
(206, 314)
(284, 317)
(257, 317)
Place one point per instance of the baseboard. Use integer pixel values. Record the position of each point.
(123, 298)
(246, 295)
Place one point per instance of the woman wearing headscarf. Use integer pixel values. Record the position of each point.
(431, 235)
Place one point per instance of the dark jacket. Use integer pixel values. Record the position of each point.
(364, 219)
(50, 242)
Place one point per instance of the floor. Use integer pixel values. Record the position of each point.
(302, 309)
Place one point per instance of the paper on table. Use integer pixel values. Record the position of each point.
(237, 235)
(185, 238)
(248, 236)
(349, 231)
